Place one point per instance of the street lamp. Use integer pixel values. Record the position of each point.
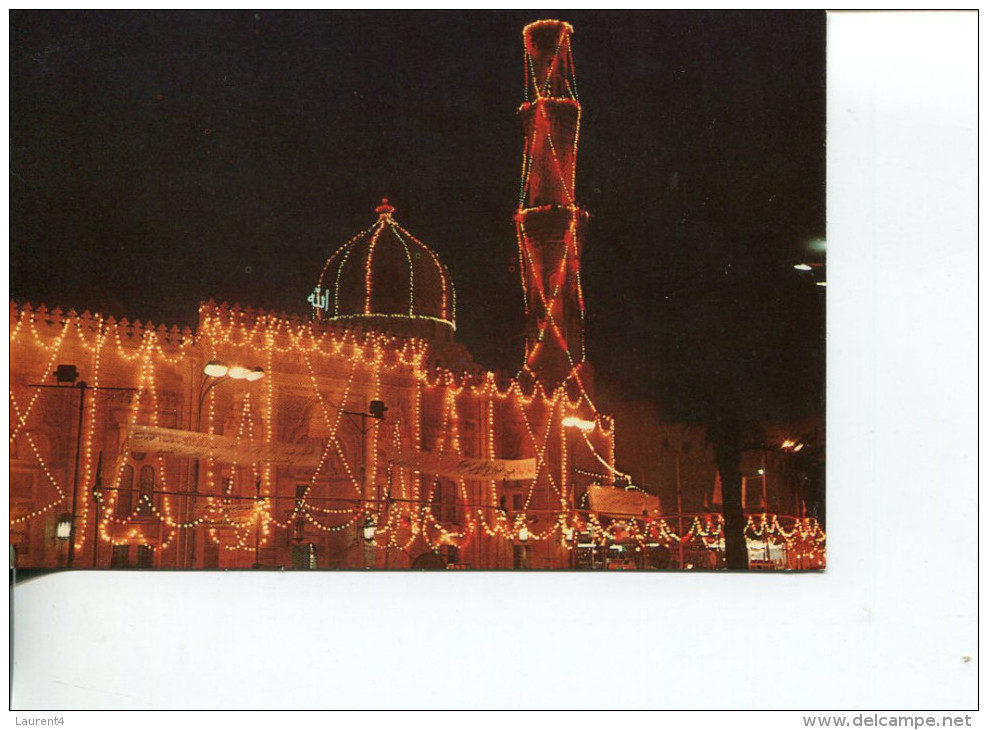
(585, 427)
(216, 372)
(580, 423)
(370, 529)
(258, 508)
(215, 369)
(63, 528)
(67, 375)
(375, 410)
(238, 372)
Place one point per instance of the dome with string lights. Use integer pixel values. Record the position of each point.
(385, 278)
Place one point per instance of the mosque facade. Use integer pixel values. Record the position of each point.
(360, 435)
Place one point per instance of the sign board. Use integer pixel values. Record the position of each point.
(222, 448)
(451, 465)
(616, 502)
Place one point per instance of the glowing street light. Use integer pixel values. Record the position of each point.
(216, 372)
(215, 369)
(576, 422)
(63, 529)
(370, 529)
(812, 267)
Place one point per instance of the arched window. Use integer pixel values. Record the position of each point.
(125, 492)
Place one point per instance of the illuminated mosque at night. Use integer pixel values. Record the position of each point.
(359, 435)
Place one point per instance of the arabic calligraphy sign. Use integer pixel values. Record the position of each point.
(319, 299)
(222, 448)
(451, 465)
(617, 502)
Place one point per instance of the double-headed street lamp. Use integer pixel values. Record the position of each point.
(216, 372)
(580, 423)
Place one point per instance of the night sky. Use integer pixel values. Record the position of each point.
(162, 158)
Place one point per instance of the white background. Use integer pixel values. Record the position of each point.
(886, 628)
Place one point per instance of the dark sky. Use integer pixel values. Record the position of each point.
(161, 158)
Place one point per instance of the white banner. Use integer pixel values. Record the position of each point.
(615, 502)
(222, 448)
(451, 465)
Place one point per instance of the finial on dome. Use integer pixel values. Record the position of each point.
(384, 209)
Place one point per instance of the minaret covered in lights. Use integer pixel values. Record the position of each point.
(550, 223)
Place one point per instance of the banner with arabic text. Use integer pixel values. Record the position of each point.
(617, 502)
(451, 465)
(222, 448)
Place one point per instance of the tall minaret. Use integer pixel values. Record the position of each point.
(550, 224)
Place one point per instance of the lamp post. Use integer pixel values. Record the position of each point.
(63, 528)
(257, 531)
(584, 426)
(81, 385)
(375, 410)
(215, 372)
(679, 510)
(66, 376)
(678, 452)
(370, 528)
(522, 542)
